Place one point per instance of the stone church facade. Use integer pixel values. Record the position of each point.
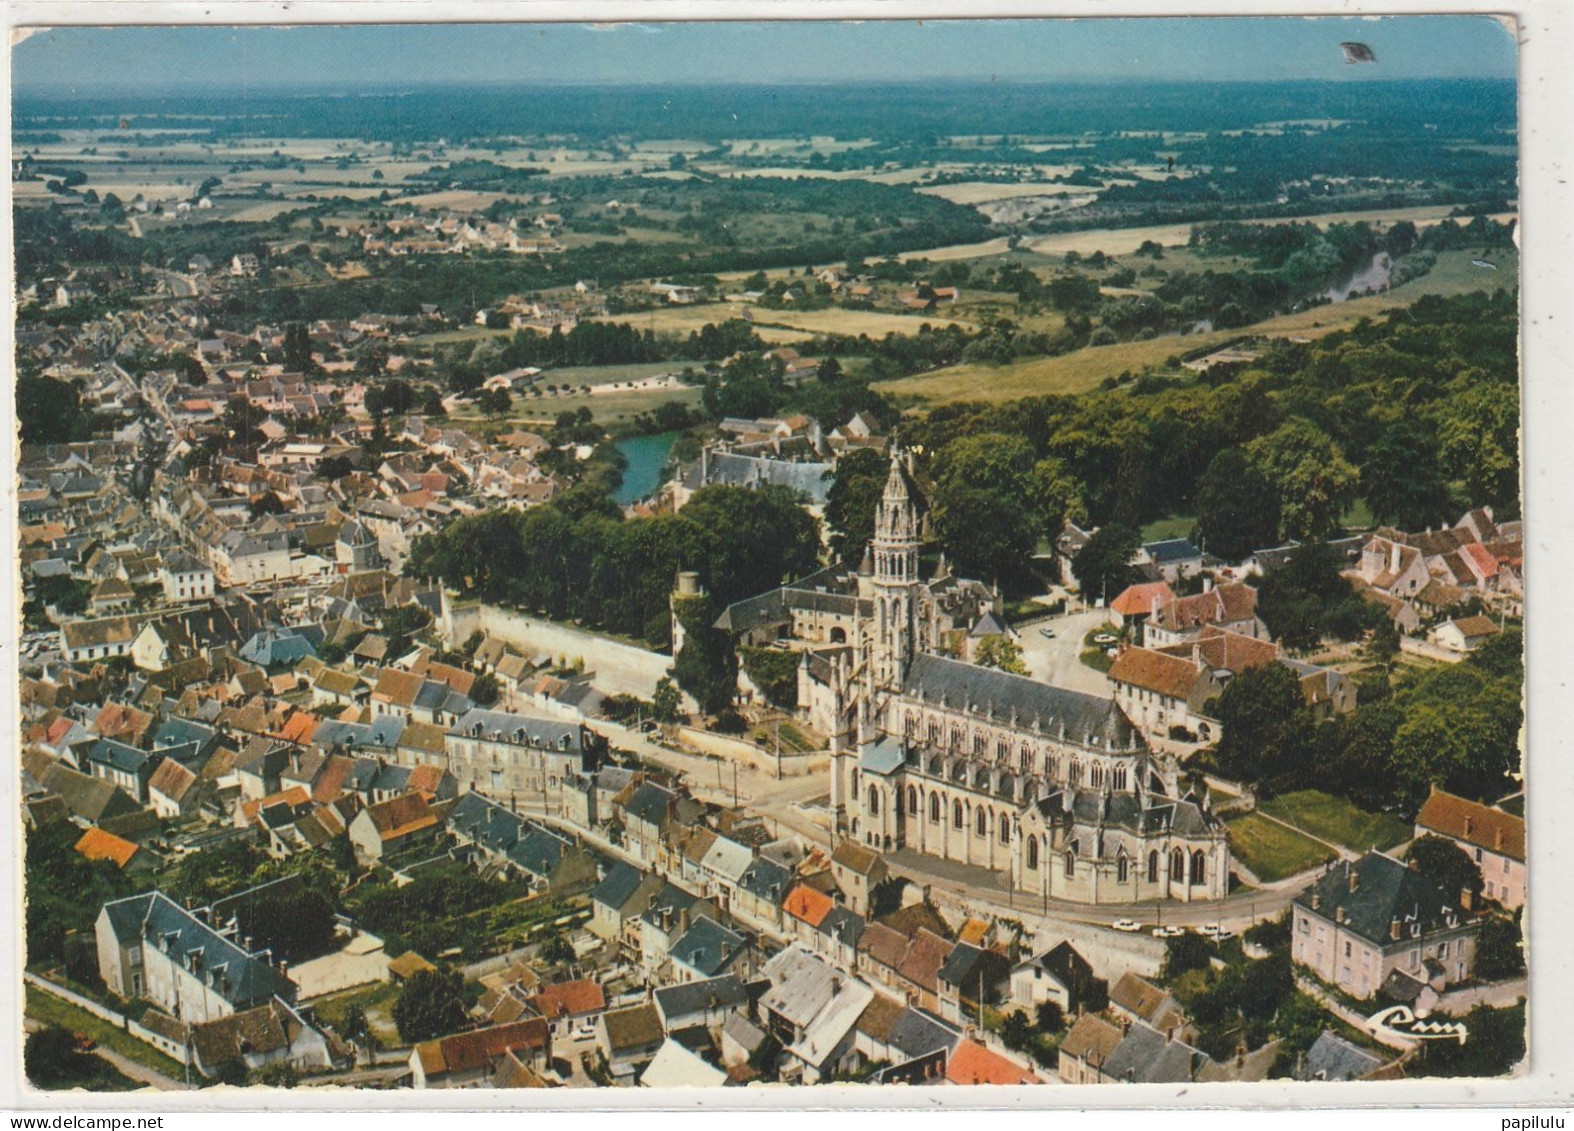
(939, 756)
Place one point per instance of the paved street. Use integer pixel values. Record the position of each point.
(1056, 660)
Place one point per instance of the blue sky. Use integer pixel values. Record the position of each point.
(347, 57)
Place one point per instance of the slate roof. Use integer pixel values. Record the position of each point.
(882, 756)
(504, 726)
(538, 851)
(766, 880)
(707, 947)
(1386, 890)
(935, 679)
(753, 471)
(680, 1002)
(159, 922)
(617, 886)
(1147, 1056)
(1331, 1057)
(916, 1032)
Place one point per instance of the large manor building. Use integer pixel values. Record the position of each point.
(940, 756)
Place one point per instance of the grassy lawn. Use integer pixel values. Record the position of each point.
(376, 1000)
(1175, 526)
(605, 407)
(1271, 851)
(1337, 820)
(53, 1011)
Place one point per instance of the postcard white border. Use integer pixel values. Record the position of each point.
(1546, 36)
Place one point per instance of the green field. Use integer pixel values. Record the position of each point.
(607, 408)
(1337, 820)
(1271, 851)
(53, 1011)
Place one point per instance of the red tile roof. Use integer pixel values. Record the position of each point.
(96, 844)
(400, 816)
(1155, 671)
(971, 1063)
(1473, 823)
(466, 1052)
(570, 999)
(809, 906)
(1137, 600)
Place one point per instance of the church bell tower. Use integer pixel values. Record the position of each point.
(894, 550)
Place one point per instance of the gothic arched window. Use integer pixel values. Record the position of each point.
(1096, 775)
(1153, 866)
(1070, 863)
(1005, 829)
(934, 806)
(912, 724)
(1199, 867)
(1074, 774)
(1032, 853)
(1122, 869)
(1119, 779)
(956, 814)
(912, 799)
(1178, 866)
(874, 801)
(981, 821)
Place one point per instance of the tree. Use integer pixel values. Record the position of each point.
(1256, 710)
(1001, 653)
(1295, 599)
(1237, 509)
(1450, 866)
(1500, 948)
(1185, 952)
(1050, 1018)
(50, 1056)
(279, 1074)
(1314, 483)
(47, 410)
(857, 484)
(667, 701)
(430, 1005)
(485, 690)
(829, 370)
(1016, 1031)
(706, 665)
(1403, 477)
(1103, 566)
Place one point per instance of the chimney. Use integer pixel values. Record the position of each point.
(1339, 914)
(1467, 899)
(1393, 928)
(1497, 840)
(1196, 655)
(1207, 583)
(683, 921)
(1393, 556)
(1355, 879)
(1414, 866)
(1317, 898)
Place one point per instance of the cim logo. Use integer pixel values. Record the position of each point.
(1400, 1021)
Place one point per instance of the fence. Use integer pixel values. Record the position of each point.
(173, 1049)
(783, 764)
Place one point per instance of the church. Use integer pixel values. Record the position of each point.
(939, 756)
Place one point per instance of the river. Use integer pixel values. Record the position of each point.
(647, 458)
(1373, 277)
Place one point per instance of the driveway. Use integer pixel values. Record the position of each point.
(1057, 660)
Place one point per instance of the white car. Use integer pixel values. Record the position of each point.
(1047, 633)
(1216, 932)
(1168, 931)
(1126, 925)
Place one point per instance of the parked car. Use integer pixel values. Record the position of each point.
(1047, 632)
(1215, 932)
(1104, 638)
(1127, 925)
(1168, 931)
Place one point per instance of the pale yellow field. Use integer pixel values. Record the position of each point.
(262, 211)
(981, 192)
(687, 319)
(462, 200)
(960, 251)
(875, 323)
